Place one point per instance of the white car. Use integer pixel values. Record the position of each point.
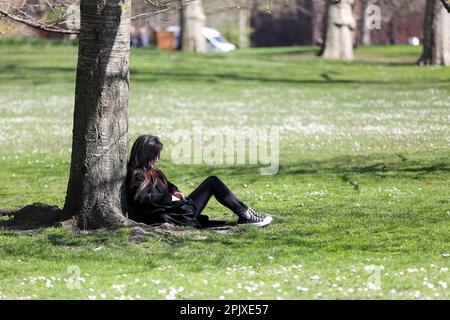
(215, 41)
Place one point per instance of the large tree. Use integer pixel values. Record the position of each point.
(340, 30)
(436, 43)
(364, 25)
(96, 193)
(192, 22)
(245, 13)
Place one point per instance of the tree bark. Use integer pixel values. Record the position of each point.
(96, 188)
(436, 43)
(180, 36)
(340, 30)
(244, 26)
(365, 31)
(324, 28)
(193, 22)
(318, 18)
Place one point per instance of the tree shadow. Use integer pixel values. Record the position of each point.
(375, 165)
(324, 78)
(12, 72)
(46, 75)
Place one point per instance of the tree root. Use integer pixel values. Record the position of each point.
(39, 215)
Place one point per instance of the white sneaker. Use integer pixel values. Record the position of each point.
(250, 217)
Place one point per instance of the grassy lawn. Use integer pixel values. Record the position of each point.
(360, 204)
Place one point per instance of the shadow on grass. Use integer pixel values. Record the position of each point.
(322, 78)
(45, 75)
(93, 238)
(375, 165)
(395, 166)
(37, 75)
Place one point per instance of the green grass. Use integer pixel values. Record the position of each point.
(363, 182)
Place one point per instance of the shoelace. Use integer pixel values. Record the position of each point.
(256, 215)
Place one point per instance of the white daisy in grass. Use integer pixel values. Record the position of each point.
(118, 287)
(303, 289)
(443, 284)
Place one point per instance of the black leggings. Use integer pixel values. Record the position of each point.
(214, 186)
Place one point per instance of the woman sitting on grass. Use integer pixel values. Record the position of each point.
(154, 199)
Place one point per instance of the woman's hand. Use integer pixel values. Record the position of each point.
(179, 195)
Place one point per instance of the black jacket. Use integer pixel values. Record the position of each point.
(154, 204)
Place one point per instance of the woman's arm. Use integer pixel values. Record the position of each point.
(172, 188)
(154, 199)
(149, 197)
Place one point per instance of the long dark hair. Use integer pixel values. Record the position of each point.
(146, 149)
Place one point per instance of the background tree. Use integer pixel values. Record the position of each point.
(232, 18)
(364, 27)
(391, 18)
(436, 43)
(340, 30)
(245, 14)
(193, 20)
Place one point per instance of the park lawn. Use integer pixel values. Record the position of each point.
(360, 202)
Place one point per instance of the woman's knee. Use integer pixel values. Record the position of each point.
(213, 179)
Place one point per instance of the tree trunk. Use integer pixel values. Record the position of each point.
(340, 30)
(244, 26)
(193, 23)
(318, 12)
(96, 189)
(180, 35)
(365, 30)
(436, 43)
(324, 28)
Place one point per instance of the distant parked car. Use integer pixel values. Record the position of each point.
(216, 42)
(414, 41)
